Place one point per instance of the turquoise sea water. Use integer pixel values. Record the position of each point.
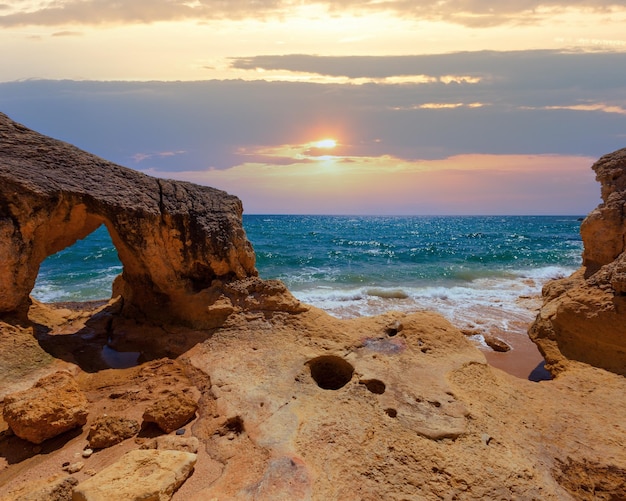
(475, 270)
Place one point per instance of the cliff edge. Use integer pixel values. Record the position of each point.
(583, 317)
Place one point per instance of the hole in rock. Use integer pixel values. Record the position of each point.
(374, 385)
(394, 328)
(391, 412)
(79, 278)
(232, 425)
(81, 272)
(330, 372)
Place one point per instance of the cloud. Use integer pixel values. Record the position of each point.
(67, 34)
(141, 157)
(533, 102)
(473, 13)
(493, 68)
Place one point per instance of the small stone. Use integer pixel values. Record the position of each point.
(486, 438)
(91, 472)
(87, 453)
(496, 344)
(74, 467)
(180, 431)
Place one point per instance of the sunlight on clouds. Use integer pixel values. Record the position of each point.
(295, 76)
(291, 153)
(526, 184)
(439, 106)
(460, 79)
(186, 40)
(606, 108)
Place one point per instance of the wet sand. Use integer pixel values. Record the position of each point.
(523, 361)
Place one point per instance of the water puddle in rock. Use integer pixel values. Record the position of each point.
(119, 359)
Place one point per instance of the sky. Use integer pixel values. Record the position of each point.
(343, 107)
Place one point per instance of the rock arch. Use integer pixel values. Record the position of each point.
(182, 246)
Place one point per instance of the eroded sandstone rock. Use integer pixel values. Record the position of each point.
(180, 244)
(583, 317)
(139, 475)
(106, 431)
(52, 406)
(171, 412)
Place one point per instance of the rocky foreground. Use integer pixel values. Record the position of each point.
(241, 392)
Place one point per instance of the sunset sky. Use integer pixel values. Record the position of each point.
(344, 107)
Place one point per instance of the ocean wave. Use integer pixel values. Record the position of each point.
(387, 293)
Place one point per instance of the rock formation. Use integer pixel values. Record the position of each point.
(291, 402)
(583, 317)
(53, 406)
(180, 244)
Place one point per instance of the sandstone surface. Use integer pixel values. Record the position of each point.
(56, 488)
(173, 443)
(53, 406)
(139, 475)
(583, 317)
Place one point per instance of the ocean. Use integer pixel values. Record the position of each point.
(484, 273)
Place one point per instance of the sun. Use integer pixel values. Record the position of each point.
(325, 143)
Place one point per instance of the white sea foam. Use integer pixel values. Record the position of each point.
(484, 304)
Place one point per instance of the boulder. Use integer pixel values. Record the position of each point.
(52, 406)
(139, 475)
(110, 430)
(583, 317)
(180, 244)
(171, 412)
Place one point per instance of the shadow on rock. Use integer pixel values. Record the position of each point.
(15, 450)
(95, 337)
(540, 373)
